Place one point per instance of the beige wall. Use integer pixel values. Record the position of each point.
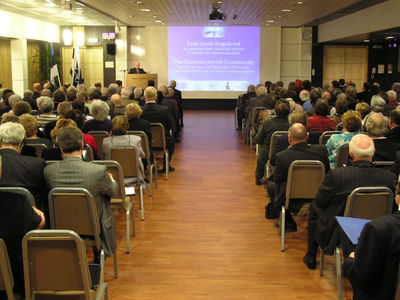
(5, 63)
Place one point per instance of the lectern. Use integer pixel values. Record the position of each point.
(140, 80)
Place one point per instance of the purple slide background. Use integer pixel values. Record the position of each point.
(178, 38)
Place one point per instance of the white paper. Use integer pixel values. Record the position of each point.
(109, 65)
(130, 191)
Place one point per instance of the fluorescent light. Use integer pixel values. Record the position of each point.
(145, 9)
(270, 21)
(138, 37)
(158, 21)
(299, 2)
(389, 37)
(366, 41)
(286, 10)
(67, 37)
(93, 40)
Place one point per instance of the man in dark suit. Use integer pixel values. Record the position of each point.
(298, 150)
(137, 69)
(330, 200)
(156, 113)
(169, 101)
(19, 170)
(72, 171)
(394, 123)
(372, 268)
(178, 97)
(261, 100)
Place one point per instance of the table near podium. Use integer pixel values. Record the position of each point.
(140, 80)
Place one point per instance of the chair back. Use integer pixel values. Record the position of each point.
(115, 169)
(6, 277)
(75, 209)
(342, 156)
(144, 142)
(326, 136)
(127, 157)
(20, 190)
(304, 179)
(274, 138)
(158, 136)
(369, 203)
(39, 148)
(99, 136)
(313, 137)
(339, 126)
(55, 262)
(254, 117)
(88, 154)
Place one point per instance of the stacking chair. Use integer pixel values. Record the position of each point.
(366, 203)
(99, 136)
(152, 164)
(88, 154)
(127, 157)
(75, 209)
(272, 148)
(159, 144)
(254, 118)
(39, 148)
(304, 180)
(20, 190)
(326, 136)
(387, 165)
(339, 126)
(342, 156)
(397, 297)
(313, 137)
(55, 264)
(124, 196)
(6, 277)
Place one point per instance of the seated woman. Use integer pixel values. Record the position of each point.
(133, 113)
(99, 111)
(31, 129)
(46, 105)
(351, 125)
(320, 122)
(119, 137)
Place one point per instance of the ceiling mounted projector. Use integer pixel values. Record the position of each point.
(216, 15)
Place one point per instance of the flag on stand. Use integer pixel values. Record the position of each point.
(76, 67)
(54, 75)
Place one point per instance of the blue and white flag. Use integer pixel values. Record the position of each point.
(76, 67)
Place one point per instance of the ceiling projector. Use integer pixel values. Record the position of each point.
(216, 15)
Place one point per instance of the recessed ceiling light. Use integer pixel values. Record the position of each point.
(366, 41)
(154, 16)
(270, 21)
(158, 21)
(145, 9)
(139, 2)
(286, 10)
(299, 2)
(162, 23)
(219, 2)
(131, 16)
(389, 37)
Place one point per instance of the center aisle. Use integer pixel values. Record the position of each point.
(205, 235)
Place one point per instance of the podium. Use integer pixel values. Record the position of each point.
(140, 80)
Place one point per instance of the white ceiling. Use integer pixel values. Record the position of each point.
(181, 12)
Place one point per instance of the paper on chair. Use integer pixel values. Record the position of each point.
(130, 190)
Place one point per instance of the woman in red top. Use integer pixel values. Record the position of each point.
(320, 122)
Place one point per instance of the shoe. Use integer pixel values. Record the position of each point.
(260, 181)
(171, 169)
(288, 228)
(310, 262)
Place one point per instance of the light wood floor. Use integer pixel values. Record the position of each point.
(205, 235)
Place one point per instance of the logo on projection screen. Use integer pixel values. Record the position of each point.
(214, 32)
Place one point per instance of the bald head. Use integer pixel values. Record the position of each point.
(116, 99)
(297, 134)
(172, 84)
(361, 147)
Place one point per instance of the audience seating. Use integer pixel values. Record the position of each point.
(88, 154)
(272, 150)
(124, 196)
(6, 277)
(342, 157)
(20, 190)
(151, 163)
(366, 203)
(253, 125)
(39, 148)
(128, 158)
(313, 137)
(326, 136)
(159, 144)
(55, 264)
(99, 136)
(304, 180)
(75, 209)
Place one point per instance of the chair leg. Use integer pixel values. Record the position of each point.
(339, 274)
(128, 218)
(166, 165)
(283, 213)
(141, 201)
(102, 259)
(133, 218)
(151, 181)
(156, 173)
(322, 264)
(115, 264)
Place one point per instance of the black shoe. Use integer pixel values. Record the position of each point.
(171, 169)
(310, 262)
(288, 227)
(260, 181)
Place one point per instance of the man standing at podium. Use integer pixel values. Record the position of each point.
(137, 69)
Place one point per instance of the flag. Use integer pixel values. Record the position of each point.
(53, 75)
(76, 67)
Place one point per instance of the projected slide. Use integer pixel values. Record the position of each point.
(214, 58)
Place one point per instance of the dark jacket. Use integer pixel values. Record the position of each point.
(156, 113)
(394, 135)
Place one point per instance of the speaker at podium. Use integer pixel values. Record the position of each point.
(140, 80)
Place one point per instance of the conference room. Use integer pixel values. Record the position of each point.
(199, 149)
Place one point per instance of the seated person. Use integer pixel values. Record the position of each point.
(119, 137)
(320, 122)
(394, 123)
(351, 125)
(298, 150)
(99, 111)
(330, 200)
(31, 129)
(372, 268)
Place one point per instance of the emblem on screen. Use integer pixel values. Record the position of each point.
(214, 32)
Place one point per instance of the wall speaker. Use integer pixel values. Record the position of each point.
(111, 49)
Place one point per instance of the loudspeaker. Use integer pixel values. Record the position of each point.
(111, 49)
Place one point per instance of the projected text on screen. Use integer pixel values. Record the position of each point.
(214, 58)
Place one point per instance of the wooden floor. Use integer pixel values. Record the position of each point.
(205, 235)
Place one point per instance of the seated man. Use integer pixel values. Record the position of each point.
(372, 268)
(72, 171)
(394, 123)
(330, 200)
(298, 150)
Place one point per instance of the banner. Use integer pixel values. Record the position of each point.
(76, 67)
(54, 75)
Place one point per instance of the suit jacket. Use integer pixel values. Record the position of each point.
(257, 101)
(394, 135)
(172, 105)
(24, 171)
(330, 200)
(385, 150)
(156, 113)
(135, 71)
(17, 217)
(373, 271)
(143, 125)
(74, 172)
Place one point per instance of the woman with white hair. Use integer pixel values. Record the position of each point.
(99, 110)
(45, 105)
